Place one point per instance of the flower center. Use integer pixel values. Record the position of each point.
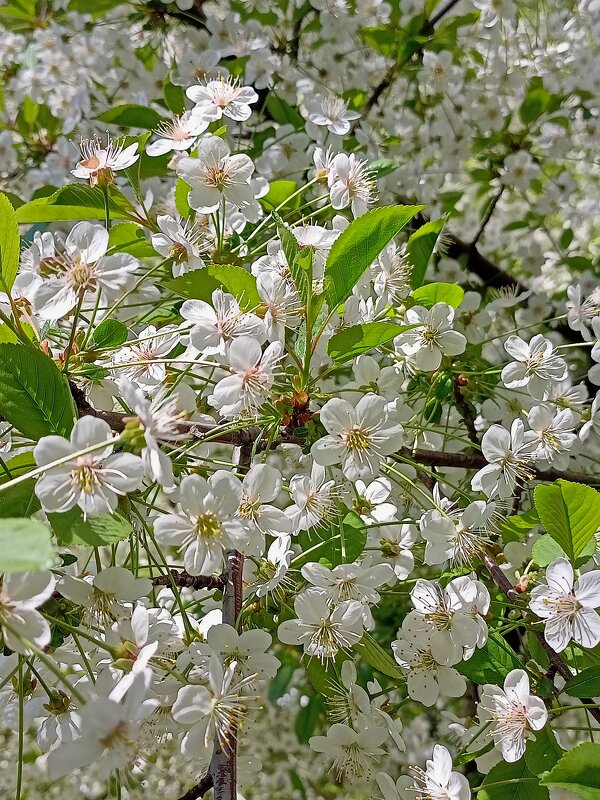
(208, 526)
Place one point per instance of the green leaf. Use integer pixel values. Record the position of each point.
(174, 97)
(101, 529)
(110, 333)
(199, 284)
(341, 543)
(578, 771)
(182, 191)
(382, 167)
(586, 684)
(515, 527)
(127, 237)
(490, 663)
(131, 115)
(358, 246)
(308, 717)
(283, 113)
(543, 752)
(279, 684)
(24, 545)
(301, 270)
(570, 512)
(377, 657)
(323, 676)
(432, 293)
(73, 202)
(523, 785)
(278, 194)
(34, 395)
(20, 500)
(545, 550)
(535, 103)
(421, 245)
(10, 243)
(358, 339)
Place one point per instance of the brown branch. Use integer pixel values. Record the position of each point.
(200, 789)
(247, 436)
(184, 579)
(554, 658)
(465, 411)
(488, 214)
(222, 770)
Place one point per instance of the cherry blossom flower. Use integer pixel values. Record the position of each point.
(156, 422)
(92, 481)
(509, 454)
(350, 582)
(217, 709)
(282, 305)
(143, 361)
(331, 112)
(223, 98)
(215, 327)
(568, 606)
(81, 271)
(209, 526)
(246, 649)
(351, 184)
(358, 437)
(315, 499)
(426, 678)
(582, 312)
(261, 485)
(393, 545)
(180, 241)
(180, 133)
(104, 596)
(536, 365)
(99, 162)
(514, 713)
(457, 538)
(216, 176)
(272, 570)
(445, 615)
(438, 780)
(21, 624)
(351, 752)
(321, 629)
(249, 386)
(110, 728)
(555, 434)
(432, 337)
